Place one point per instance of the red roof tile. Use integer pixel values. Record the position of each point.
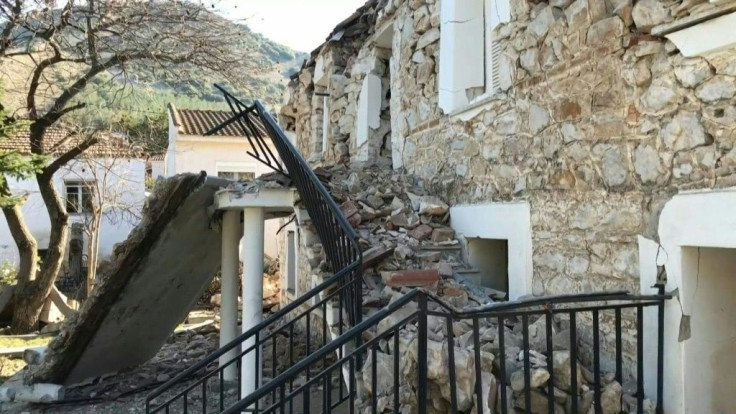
(198, 122)
(59, 140)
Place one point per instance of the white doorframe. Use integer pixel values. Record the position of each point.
(690, 219)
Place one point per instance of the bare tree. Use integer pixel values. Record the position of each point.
(113, 194)
(64, 50)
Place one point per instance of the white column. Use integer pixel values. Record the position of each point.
(253, 229)
(231, 232)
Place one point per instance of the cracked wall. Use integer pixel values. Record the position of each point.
(600, 125)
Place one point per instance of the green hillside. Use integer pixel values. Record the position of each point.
(135, 101)
(141, 107)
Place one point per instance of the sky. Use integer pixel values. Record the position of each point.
(300, 24)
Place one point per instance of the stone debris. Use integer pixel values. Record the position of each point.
(614, 399)
(271, 289)
(404, 234)
(408, 243)
(153, 280)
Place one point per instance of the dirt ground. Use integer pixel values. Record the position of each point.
(125, 392)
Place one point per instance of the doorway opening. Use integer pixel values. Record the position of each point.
(491, 258)
(710, 351)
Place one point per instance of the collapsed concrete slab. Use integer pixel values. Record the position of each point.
(155, 278)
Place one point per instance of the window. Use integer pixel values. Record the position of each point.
(325, 122)
(237, 175)
(369, 109)
(321, 80)
(291, 262)
(469, 54)
(321, 122)
(78, 196)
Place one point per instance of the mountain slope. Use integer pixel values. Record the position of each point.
(136, 103)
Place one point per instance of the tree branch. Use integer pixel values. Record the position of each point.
(69, 155)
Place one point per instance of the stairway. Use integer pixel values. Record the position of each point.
(304, 321)
(387, 361)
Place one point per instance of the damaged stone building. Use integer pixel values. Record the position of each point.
(486, 206)
(582, 146)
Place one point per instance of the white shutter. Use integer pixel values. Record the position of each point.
(496, 12)
(369, 108)
(462, 51)
(500, 12)
(495, 52)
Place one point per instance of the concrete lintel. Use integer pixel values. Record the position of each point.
(385, 36)
(272, 200)
(705, 37)
(694, 19)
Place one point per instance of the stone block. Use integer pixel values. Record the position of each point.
(647, 163)
(411, 278)
(717, 88)
(684, 132)
(577, 14)
(693, 72)
(421, 232)
(443, 234)
(605, 30)
(544, 20)
(649, 13)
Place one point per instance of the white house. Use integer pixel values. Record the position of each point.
(156, 166)
(110, 170)
(224, 154)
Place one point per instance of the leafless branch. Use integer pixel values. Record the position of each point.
(69, 155)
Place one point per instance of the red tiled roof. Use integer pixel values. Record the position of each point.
(198, 122)
(59, 140)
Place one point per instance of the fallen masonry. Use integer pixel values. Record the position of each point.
(615, 398)
(149, 289)
(407, 243)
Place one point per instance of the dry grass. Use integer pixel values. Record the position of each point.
(10, 367)
(16, 342)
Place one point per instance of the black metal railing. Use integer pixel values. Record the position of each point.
(337, 236)
(320, 393)
(288, 335)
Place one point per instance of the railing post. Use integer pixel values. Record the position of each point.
(422, 354)
(660, 350)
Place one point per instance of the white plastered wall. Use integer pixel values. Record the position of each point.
(462, 54)
(689, 220)
(505, 221)
(711, 36)
(369, 114)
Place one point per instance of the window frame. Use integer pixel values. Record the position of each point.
(235, 168)
(236, 175)
(491, 56)
(82, 187)
(490, 59)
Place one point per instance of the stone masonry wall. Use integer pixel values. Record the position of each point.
(600, 124)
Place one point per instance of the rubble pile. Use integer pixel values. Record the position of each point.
(407, 242)
(182, 349)
(271, 288)
(404, 234)
(614, 398)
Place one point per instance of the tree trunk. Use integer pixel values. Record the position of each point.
(28, 255)
(31, 297)
(24, 320)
